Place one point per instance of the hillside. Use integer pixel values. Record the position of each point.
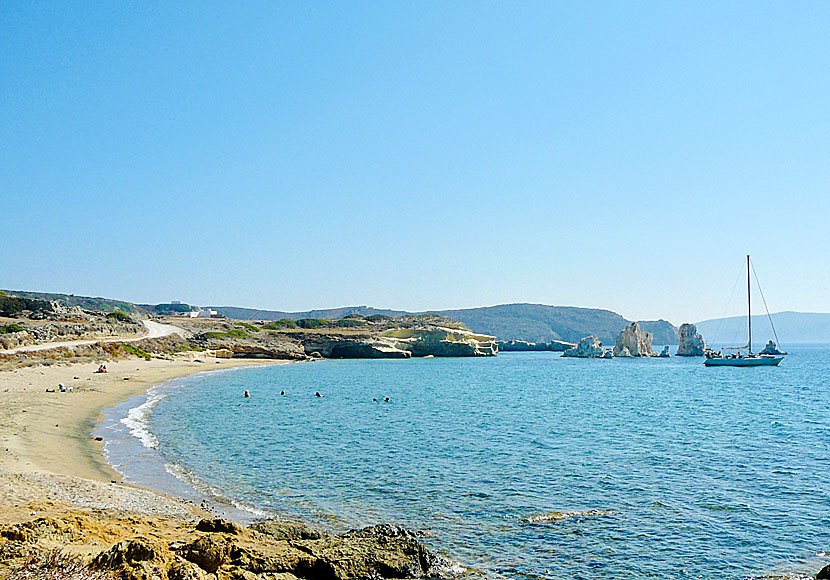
(792, 327)
(542, 323)
(238, 313)
(530, 322)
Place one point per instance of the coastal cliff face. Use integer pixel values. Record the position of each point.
(404, 343)
(524, 346)
(351, 337)
(691, 342)
(633, 342)
(588, 347)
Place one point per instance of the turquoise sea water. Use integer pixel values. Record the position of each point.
(704, 472)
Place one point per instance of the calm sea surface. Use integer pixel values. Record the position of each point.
(701, 472)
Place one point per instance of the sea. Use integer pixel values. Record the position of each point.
(524, 465)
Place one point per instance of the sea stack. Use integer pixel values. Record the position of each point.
(588, 347)
(633, 342)
(691, 342)
(772, 348)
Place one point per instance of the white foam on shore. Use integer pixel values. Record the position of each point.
(138, 420)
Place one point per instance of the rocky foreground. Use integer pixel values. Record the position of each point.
(103, 545)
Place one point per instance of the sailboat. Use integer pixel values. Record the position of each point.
(740, 359)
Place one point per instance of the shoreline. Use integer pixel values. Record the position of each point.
(49, 452)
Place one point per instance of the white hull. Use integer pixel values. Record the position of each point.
(763, 360)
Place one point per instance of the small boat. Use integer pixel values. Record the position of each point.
(718, 359)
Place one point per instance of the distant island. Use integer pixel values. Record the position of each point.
(791, 327)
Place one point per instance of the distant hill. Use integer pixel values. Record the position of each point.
(542, 323)
(99, 304)
(792, 327)
(330, 313)
(531, 322)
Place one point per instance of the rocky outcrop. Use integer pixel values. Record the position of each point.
(633, 342)
(665, 352)
(524, 346)
(691, 342)
(772, 348)
(440, 341)
(60, 331)
(402, 343)
(218, 549)
(588, 347)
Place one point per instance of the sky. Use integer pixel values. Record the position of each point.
(417, 156)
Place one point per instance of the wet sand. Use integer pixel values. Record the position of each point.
(48, 454)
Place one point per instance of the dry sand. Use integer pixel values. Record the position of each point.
(48, 455)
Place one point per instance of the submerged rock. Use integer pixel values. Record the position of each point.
(557, 516)
(691, 342)
(635, 341)
(588, 347)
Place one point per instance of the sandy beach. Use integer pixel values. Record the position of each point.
(49, 455)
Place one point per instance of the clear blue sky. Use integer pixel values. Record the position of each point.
(417, 155)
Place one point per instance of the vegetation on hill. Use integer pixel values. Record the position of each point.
(238, 313)
(99, 304)
(14, 305)
(528, 322)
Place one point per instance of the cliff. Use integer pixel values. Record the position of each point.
(524, 346)
(351, 337)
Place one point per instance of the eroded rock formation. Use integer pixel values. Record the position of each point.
(633, 342)
(691, 342)
(524, 346)
(771, 348)
(588, 347)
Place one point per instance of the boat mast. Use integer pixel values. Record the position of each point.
(748, 308)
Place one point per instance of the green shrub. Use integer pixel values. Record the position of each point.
(349, 322)
(250, 327)
(136, 351)
(120, 316)
(280, 324)
(9, 328)
(378, 318)
(312, 323)
(233, 333)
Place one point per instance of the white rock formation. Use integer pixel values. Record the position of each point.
(691, 342)
(637, 342)
(588, 347)
(771, 348)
